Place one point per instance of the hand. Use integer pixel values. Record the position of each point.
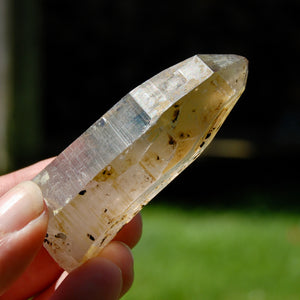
(26, 268)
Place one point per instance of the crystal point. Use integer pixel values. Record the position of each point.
(124, 159)
(232, 68)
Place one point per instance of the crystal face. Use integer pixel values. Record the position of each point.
(122, 161)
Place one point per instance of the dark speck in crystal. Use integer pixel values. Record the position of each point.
(171, 140)
(90, 237)
(208, 135)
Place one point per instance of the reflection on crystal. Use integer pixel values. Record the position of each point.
(121, 162)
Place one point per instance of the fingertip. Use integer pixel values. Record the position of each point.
(131, 233)
(120, 254)
(18, 250)
(23, 226)
(99, 278)
(106, 277)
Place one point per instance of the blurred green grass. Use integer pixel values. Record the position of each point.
(210, 254)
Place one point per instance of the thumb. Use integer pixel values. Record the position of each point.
(23, 225)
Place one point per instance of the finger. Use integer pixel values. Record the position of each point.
(131, 233)
(99, 278)
(120, 254)
(10, 180)
(44, 270)
(22, 230)
(40, 274)
(108, 276)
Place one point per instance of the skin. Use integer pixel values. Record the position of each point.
(27, 270)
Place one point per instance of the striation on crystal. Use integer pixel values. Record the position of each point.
(105, 177)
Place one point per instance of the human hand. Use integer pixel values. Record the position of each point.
(26, 268)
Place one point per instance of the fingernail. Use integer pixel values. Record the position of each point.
(20, 205)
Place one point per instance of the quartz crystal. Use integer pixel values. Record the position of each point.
(122, 161)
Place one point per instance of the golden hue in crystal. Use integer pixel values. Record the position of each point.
(179, 111)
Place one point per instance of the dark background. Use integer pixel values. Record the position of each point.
(79, 58)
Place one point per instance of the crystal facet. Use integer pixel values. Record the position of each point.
(122, 161)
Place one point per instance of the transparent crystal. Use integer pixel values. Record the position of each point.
(122, 161)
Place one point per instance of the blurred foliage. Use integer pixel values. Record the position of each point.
(219, 254)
